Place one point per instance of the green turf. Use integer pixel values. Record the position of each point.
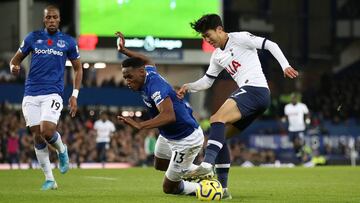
(139, 18)
(323, 184)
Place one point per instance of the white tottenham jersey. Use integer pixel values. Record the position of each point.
(104, 130)
(240, 59)
(295, 114)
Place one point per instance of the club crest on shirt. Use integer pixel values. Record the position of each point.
(60, 43)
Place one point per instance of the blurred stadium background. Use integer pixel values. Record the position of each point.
(319, 38)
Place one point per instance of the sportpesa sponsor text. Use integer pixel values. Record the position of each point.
(48, 51)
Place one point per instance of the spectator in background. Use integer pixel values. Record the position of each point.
(104, 130)
(149, 146)
(297, 115)
(13, 149)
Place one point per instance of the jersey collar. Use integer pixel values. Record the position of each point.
(57, 32)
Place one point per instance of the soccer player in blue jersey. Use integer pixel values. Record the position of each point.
(180, 138)
(42, 103)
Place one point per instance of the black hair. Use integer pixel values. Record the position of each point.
(133, 62)
(52, 7)
(206, 22)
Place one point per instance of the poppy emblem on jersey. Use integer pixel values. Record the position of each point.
(60, 43)
(49, 42)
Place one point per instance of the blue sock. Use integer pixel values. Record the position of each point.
(40, 146)
(53, 139)
(223, 165)
(215, 142)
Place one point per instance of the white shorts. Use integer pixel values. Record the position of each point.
(42, 108)
(181, 153)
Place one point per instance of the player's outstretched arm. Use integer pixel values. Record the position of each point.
(15, 62)
(278, 54)
(122, 49)
(166, 115)
(202, 84)
(76, 64)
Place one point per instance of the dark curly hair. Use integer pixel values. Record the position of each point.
(133, 62)
(207, 22)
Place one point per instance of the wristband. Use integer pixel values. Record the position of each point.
(75, 93)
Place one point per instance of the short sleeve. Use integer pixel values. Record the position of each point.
(214, 68)
(73, 51)
(158, 91)
(249, 40)
(26, 45)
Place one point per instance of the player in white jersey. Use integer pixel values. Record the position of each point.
(104, 130)
(297, 115)
(236, 53)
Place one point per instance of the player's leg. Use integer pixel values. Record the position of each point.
(51, 106)
(31, 110)
(184, 153)
(222, 166)
(223, 161)
(101, 151)
(42, 155)
(244, 102)
(228, 113)
(162, 154)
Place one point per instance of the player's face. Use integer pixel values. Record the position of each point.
(51, 19)
(213, 37)
(134, 77)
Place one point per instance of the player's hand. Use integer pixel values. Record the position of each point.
(290, 73)
(130, 122)
(15, 69)
(73, 106)
(120, 42)
(182, 91)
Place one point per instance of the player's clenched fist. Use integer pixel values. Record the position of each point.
(14, 69)
(120, 42)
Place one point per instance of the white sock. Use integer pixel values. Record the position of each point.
(190, 187)
(42, 156)
(58, 144)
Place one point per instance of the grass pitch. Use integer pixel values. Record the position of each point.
(323, 184)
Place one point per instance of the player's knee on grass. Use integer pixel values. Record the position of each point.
(161, 164)
(171, 187)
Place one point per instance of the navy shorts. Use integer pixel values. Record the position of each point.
(252, 102)
(296, 135)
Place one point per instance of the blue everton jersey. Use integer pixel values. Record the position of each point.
(49, 54)
(154, 91)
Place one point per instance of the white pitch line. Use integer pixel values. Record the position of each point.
(100, 178)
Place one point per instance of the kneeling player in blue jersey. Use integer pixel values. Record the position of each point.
(180, 138)
(44, 86)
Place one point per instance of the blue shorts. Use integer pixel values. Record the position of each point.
(252, 102)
